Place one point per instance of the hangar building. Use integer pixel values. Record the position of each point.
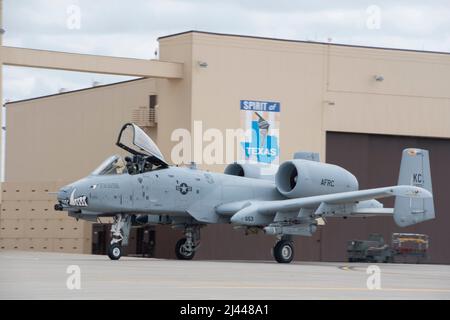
(359, 107)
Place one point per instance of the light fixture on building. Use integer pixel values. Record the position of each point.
(202, 64)
(378, 78)
(62, 90)
(330, 103)
(2, 31)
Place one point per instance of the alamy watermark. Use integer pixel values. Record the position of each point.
(373, 20)
(73, 21)
(213, 146)
(373, 281)
(73, 281)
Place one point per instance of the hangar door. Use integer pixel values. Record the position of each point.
(375, 161)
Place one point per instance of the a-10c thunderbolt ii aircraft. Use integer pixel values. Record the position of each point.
(292, 201)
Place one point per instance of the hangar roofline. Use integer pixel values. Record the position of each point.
(300, 41)
(76, 90)
(238, 36)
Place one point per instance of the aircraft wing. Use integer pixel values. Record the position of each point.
(413, 198)
(270, 207)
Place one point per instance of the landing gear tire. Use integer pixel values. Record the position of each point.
(181, 252)
(115, 251)
(283, 251)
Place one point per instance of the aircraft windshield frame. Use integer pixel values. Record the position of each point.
(107, 167)
(141, 143)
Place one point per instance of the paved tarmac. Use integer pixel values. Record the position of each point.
(34, 275)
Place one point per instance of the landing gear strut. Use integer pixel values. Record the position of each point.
(283, 251)
(185, 247)
(120, 230)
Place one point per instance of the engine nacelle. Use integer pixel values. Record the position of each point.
(252, 170)
(303, 178)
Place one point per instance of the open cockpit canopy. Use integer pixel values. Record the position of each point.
(134, 140)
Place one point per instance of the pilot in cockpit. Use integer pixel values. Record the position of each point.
(132, 165)
(129, 165)
(138, 164)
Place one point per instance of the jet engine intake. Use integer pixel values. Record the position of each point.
(252, 170)
(302, 178)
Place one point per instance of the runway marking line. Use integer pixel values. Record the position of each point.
(176, 284)
(320, 288)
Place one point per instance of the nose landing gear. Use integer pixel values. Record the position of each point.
(115, 251)
(120, 230)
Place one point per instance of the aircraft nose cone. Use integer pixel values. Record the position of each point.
(62, 198)
(63, 194)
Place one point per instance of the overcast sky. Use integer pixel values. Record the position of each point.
(130, 29)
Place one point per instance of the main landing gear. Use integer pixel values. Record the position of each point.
(185, 247)
(283, 252)
(120, 230)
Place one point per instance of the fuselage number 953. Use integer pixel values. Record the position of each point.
(249, 218)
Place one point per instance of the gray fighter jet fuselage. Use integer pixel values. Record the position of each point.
(291, 201)
(169, 191)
